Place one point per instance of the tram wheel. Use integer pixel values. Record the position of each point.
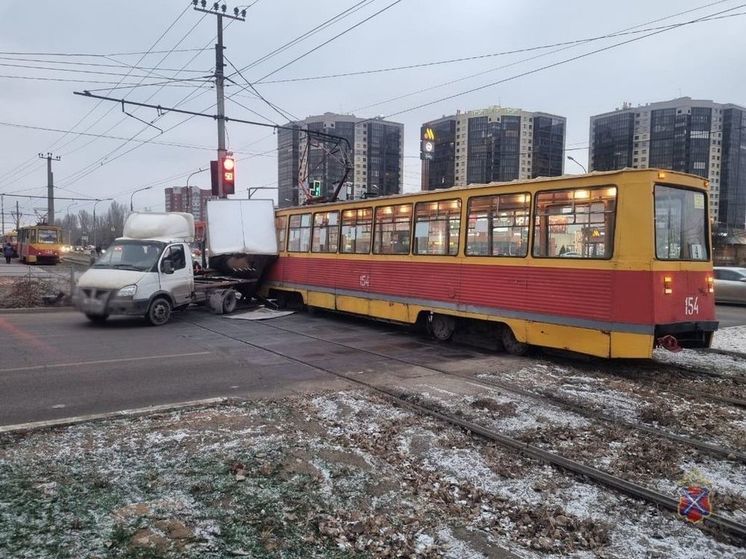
(441, 326)
(511, 344)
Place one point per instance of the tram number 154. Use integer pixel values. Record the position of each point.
(691, 305)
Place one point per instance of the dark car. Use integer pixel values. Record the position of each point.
(730, 285)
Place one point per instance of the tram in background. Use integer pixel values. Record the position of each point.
(40, 244)
(608, 264)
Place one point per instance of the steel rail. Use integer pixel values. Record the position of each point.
(704, 446)
(715, 521)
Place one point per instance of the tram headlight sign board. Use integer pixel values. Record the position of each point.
(427, 145)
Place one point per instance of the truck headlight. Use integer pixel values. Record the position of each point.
(127, 291)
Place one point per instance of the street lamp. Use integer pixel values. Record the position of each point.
(132, 208)
(571, 158)
(94, 218)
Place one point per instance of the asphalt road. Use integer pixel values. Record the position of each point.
(58, 365)
(731, 315)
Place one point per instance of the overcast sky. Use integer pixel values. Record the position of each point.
(704, 60)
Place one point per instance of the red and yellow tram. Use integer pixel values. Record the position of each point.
(40, 244)
(607, 264)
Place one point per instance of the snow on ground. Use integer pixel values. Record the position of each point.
(323, 476)
(731, 339)
(706, 361)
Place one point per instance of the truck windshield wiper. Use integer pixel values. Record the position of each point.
(126, 267)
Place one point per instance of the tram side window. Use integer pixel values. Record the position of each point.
(436, 227)
(325, 232)
(281, 223)
(299, 233)
(498, 225)
(393, 229)
(577, 223)
(357, 226)
(680, 224)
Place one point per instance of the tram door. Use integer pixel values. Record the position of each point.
(354, 284)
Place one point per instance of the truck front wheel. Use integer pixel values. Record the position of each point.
(159, 311)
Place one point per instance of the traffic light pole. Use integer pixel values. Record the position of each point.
(220, 89)
(219, 11)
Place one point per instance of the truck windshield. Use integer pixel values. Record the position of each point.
(680, 224)
(140, 256)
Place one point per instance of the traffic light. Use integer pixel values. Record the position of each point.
(316, 188)
(228, 168)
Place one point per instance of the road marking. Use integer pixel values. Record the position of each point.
(134, 412)
(58, 406)
(101, 362)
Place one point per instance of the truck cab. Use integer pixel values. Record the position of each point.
(141, 276)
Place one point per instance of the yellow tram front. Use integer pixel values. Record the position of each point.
(40, 244)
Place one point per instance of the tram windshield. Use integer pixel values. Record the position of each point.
(48, 236)
(139, 256)
(680, 224)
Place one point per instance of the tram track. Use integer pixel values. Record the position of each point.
(704, 446)
(410, 401)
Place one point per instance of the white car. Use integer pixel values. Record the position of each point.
(730, 285)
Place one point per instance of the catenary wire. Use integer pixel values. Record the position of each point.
(335, 37)
(558, 63)
(323, 25)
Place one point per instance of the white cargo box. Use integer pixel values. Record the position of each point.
(241, 227)
(171, 226)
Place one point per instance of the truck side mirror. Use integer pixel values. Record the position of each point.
(167, 267)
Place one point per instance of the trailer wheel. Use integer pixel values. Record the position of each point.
(229, 302)
(159, 311)
(511, 344)
(97, 318)
(441, 326)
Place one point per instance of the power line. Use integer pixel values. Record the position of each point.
(519, 62)
(283, 113)
(472, 58)
(559, 63)
(94, 64)
(358, 24)
(104, 136)
(323, 25)
(20, 168)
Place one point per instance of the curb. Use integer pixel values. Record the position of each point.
(122, 414)
(40, 310)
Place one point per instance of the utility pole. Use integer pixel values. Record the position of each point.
(18, 218)
(2, 211)
(220, 11)
(50, 186)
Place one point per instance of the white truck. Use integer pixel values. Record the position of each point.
(150, 271)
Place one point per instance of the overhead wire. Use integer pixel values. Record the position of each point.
(101, 161)
(561, 62)
(320, 27)
(335, 37)
(283, 113)
(163, 34)
(468, 58)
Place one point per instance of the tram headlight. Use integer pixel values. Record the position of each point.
(127, 291)
(710, 284)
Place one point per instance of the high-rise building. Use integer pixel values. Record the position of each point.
(189, 199)
(493, 144)
(694, 136)
(377, 157)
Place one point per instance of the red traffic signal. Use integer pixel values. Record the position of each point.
(228, 168)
